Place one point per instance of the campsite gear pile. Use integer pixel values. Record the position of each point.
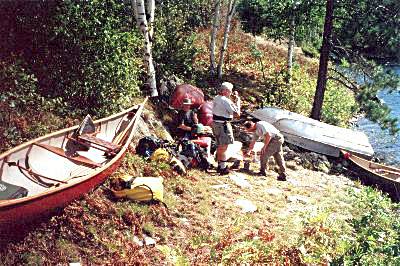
(185, 152)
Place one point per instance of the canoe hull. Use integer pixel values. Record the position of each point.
(324, 138)
(311, 145)
(27, 211)
(314, 135)
(30, 164)
(373, 174)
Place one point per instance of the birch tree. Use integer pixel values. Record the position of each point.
(146, 28)
(231, 12)
(291, 45)
(215, 25)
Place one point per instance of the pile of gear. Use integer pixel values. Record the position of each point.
(182, 155)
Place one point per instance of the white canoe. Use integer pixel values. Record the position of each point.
(273, 114)
(314, 135)
(324, 138)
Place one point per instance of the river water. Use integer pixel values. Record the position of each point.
(386, 146)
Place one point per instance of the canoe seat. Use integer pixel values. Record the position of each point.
(10, 191)
(76, 158)
(90, 140)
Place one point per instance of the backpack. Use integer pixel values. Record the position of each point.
(147, 145)
(194, 154)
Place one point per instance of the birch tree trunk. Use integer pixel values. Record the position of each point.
(150, 14)
(147, 32)
(291, 49)
(323, 62)
(231, 11)
(217, 6)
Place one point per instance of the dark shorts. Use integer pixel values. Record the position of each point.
(223, 133)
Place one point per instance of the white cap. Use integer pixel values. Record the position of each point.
(227, 85)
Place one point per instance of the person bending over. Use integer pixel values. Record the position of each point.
(273, 141)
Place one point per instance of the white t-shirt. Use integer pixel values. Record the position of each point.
(223, 106)
(263, 128)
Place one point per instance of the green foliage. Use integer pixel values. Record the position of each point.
(21, 105)
(339, 104)
(310, 50)
(98, 56)
(376, 231)
(371, 78)
(251, 12)
(173, 46)
(274, 18)
(86, 53)
(366, 234)
(368, 28)
(324, 237)
(277, 92)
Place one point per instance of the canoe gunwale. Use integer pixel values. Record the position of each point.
(389, 185)
(12, 203)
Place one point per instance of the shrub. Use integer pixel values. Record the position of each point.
(376, 231)
(339, 103)
(97, 62)
(174, 49)
(23, 110)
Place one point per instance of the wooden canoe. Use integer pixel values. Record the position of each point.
(386, 178)
(52, 174)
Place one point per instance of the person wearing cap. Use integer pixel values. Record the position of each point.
(273, 141)
(187, 119)
(224, 108)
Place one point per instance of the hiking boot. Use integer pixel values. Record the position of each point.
(246, 166)
(262, 173)
(235, 165)
(224, 171)
(282, 177)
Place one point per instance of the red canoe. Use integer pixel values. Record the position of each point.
(49, 172)
(186, 91)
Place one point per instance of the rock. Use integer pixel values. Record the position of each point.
(323, 168)
(298, 160)
(290, 155)
(274, 191)
(223, 186)
(138, 241)
(298, 198)
(246, 205)
(294, 182)
(240, 180)
(148, 241)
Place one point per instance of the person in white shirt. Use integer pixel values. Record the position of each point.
(223, 111)
(273, 141)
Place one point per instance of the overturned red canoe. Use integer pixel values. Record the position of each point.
(205, 113)
(186, 91)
